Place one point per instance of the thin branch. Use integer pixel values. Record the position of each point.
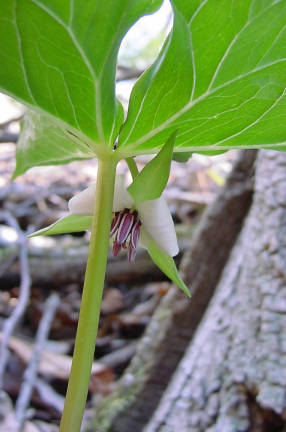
(11, 323)
(6, 137)
(30, 374)
(127, 73)
(49, 395)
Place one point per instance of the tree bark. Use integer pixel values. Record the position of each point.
(177, 318)
(233, 375)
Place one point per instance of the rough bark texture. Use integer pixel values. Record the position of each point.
(233, 375)
(177, 318)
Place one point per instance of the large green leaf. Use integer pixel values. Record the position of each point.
(42, 142)
(220, 80)
(59, 57)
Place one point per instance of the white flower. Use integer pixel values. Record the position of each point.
(154, 216)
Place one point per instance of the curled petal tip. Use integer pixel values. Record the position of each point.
(157, 220)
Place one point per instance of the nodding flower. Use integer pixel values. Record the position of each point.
(131, 222)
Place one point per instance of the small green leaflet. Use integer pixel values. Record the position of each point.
(220, 79)
(151, 181)
(67, 224)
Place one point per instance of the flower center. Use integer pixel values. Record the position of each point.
(125, 226)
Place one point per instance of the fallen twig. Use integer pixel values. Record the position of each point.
(30, 374)
(24, 293)
(49, 395)
(6, 137)
(52, 364)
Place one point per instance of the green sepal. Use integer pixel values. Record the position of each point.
(67, 224)
(151, 181)
(165, 263)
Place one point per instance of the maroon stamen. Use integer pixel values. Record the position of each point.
(134, 235)
(115, 223)
(131, 253)
(125, 226)
(116, 248)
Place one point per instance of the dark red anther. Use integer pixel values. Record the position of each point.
(134, 235)
(115, 223)
(125, 226)
(131, 252)
(116, 248)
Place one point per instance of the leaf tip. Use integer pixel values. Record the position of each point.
(34, 234)
(185, 289)
(14, 175)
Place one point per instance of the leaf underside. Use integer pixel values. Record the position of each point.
(220, 78)
(42, 142)
(228, 90)
(59, 58)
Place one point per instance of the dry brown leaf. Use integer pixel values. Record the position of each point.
(51, 364)
(112, 301)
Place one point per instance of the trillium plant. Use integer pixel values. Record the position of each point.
(218, 83)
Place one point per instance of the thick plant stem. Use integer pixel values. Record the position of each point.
(91, 299)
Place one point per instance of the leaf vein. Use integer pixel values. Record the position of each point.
(257, 120)
(188, 106)
(22, 62)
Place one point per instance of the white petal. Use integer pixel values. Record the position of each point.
(143, 238)
(122, 198)
(156, 217)
(83, 202)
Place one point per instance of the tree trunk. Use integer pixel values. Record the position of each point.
(177, 318)
(233, 375)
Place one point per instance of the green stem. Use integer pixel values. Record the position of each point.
(91, 300)
(132, 167)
